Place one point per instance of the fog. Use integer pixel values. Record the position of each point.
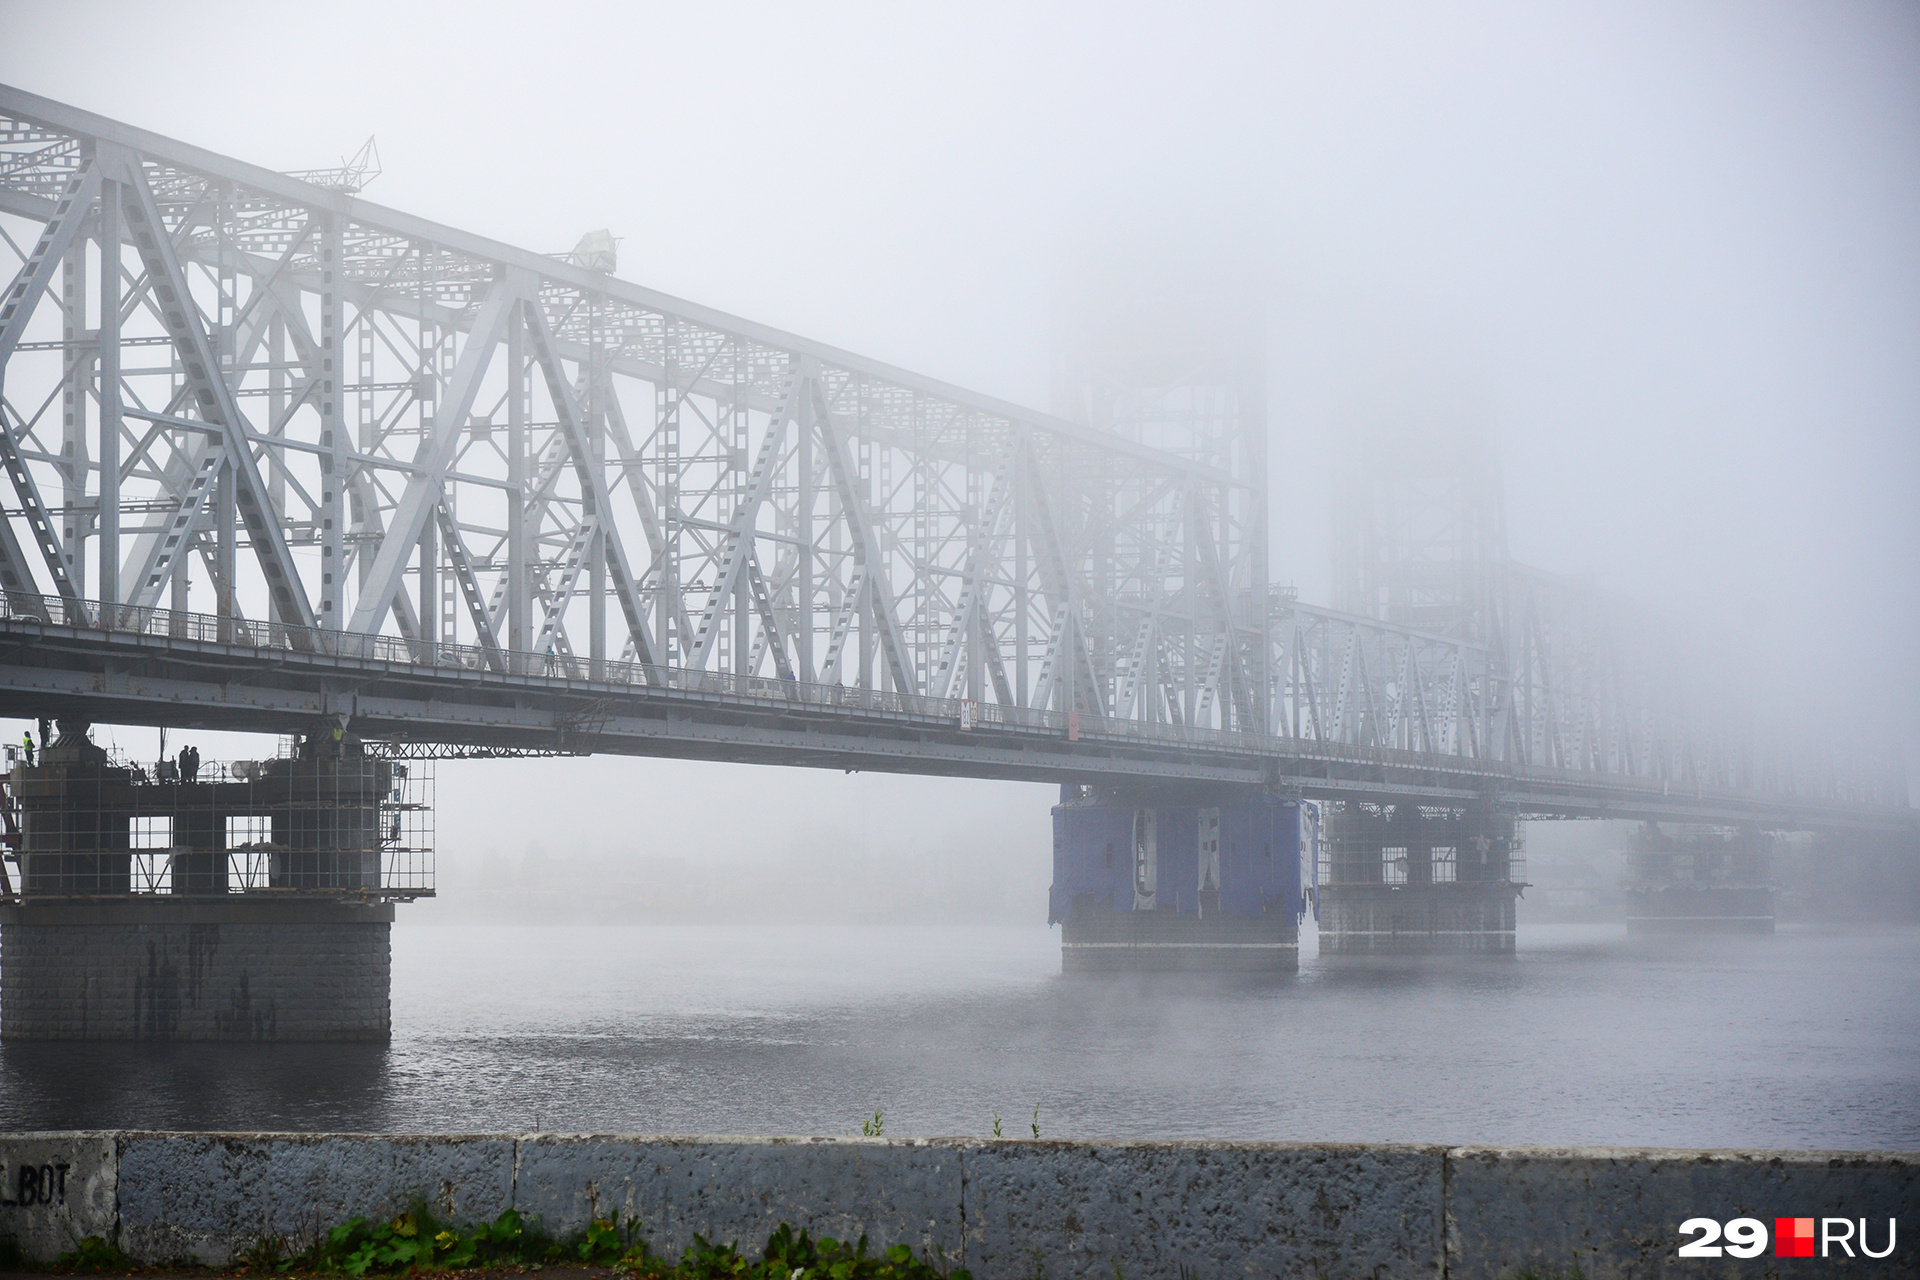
(1668, 256)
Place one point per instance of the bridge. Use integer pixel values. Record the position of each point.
(284, 460)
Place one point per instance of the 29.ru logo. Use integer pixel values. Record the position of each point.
(1792, 1238)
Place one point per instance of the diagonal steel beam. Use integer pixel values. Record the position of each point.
(851, 602)
(16, 578)
(212, 396)
(769, 623)
(853, 510)
(552, 638)
(593, 482)
(1066, 643)
(70, 215)
(984, 542)
(469, 587)
(178, 472)
(425, 489)
(22, 296)
(738, 546)
(657, 541)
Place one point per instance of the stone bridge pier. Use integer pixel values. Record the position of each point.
(1409, 879)
(250, 902)
(1698, 879)
(1174, 878)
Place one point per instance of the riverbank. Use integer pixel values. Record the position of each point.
(998, 1208)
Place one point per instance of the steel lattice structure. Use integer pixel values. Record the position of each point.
(252, 413)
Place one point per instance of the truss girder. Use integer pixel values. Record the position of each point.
(460, 441)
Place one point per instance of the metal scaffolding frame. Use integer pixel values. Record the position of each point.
(311, 821)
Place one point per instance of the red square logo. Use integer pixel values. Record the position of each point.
(1793, 1237)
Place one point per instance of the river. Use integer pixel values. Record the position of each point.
(1809, 1039)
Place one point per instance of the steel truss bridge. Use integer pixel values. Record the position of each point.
(278, 456)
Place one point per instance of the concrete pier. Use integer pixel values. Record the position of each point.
(1403, 880)
(1700, 880)
(158, 968)
(173, 902)
(1170, 880)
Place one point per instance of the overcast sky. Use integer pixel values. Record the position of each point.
(1669, 253)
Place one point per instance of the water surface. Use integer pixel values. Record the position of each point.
(1808, 1039)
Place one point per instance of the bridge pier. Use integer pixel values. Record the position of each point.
(1700, 880)
(1403, 880)
(250, 903)
(1200, 880)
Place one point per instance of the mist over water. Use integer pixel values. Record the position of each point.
(1804, 1040)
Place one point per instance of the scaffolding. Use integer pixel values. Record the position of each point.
(1700, 856)
(1375, 844)
(332, 819)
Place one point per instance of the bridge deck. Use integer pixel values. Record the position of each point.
(156, 667)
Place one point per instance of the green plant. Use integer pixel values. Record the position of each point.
(996, 1124)
(709, 1261)
(266, 1254)
(608, 1243)
(416, 1241)
(1036, 1119)
(871, 1128)
(790, 1256)
(95, 1253)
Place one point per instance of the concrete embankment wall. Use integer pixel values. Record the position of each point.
(1002, 1209)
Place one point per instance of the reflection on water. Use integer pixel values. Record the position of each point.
(1807, 1039)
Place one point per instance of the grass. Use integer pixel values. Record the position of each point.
(416, 1242)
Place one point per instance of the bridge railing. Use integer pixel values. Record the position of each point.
(174, 624)
(588, 674)
(204, 628)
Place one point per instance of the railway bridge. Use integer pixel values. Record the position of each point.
(281, 460)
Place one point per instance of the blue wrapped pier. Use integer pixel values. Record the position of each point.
(1158, 881)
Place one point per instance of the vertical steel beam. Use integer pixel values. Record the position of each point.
(335, 455)
(110, 404)
(803, 531)
(519, 570)
(225, 543)
(77, 350)
(597, 391)
(1022, 587)
(429, 588)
